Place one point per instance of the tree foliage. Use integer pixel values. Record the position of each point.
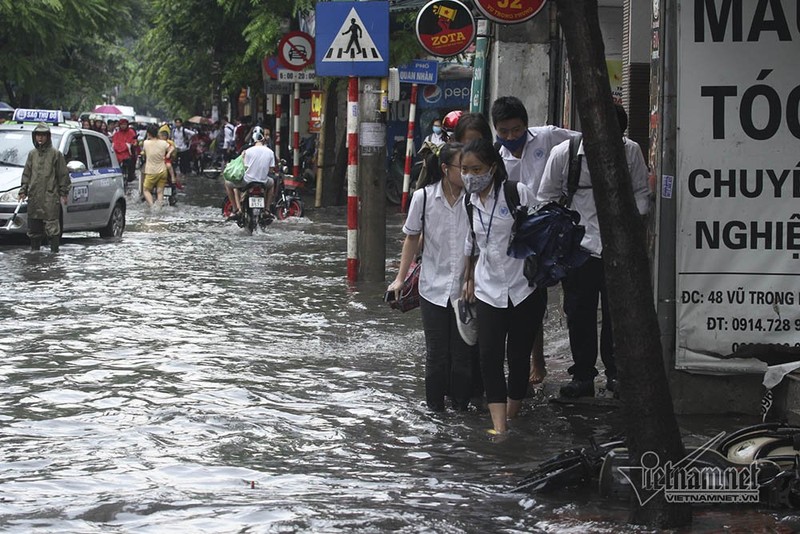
(157, 54)
(64, 53)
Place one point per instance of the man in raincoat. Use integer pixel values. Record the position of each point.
(45, 183)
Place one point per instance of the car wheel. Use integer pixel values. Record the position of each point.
(116, 222)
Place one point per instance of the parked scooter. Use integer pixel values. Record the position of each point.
(288, 202)
(308, 163)
(767, 453)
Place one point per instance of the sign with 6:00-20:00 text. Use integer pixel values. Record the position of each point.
(510, 11)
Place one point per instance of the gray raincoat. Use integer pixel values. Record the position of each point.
(45, 179)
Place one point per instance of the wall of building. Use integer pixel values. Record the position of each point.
(520, 66)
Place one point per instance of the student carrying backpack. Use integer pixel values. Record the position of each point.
(547, 236)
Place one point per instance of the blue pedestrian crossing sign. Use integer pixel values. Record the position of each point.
(354, 41)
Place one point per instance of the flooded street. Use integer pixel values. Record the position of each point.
(191, 378)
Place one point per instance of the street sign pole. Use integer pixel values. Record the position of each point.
(479, 72)
(352, 179)
(278, 99)
(296, 132)
(412, 112)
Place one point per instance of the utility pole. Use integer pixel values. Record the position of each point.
(372, 169)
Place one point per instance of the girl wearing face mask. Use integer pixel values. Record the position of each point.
(448, 364)
(506, 305)
(437, 137)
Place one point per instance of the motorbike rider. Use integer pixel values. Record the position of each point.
(259, 162)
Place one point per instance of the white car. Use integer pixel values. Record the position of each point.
(96, 200)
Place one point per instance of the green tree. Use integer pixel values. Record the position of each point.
(64, 53)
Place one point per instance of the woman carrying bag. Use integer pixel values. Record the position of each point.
(437, 210)
(506, 306)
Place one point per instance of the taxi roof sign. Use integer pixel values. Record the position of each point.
(49, 116)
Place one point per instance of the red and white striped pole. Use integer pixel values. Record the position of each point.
(412, 112)
(352, 179)
(296, 131)
(278, 99)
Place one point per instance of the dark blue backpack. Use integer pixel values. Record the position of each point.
(548, 236)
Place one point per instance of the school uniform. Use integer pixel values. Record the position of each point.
(448, 357)
(528, 168)
(586, 284)
(506, 304)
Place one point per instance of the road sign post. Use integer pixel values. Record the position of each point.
(355, 39)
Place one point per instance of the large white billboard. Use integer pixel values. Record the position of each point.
(737, 180)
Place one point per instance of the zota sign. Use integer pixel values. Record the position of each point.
(445, 27)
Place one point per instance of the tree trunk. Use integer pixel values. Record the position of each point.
(644, 390)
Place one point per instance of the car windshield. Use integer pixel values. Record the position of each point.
(15, 145)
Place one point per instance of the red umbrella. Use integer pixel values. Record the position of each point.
(109, 109)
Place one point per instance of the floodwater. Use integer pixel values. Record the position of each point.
(191, 378)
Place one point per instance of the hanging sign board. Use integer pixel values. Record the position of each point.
(510, 11)
(736, 186)
(297, 76)
(315, 113)
(421, 71)
(445, 27)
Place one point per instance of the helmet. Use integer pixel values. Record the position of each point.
(258, 134)
(451, 120)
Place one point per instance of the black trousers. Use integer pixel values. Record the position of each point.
(128, 167)
(184, 160)
(582, 288)
(507, 334)
(448, 361)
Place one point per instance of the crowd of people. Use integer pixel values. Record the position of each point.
(460, 221)
(181, 150)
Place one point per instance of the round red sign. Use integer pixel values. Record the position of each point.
(445, 27)
(296, 50)
(510, 11)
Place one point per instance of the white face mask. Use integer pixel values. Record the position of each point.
(475, 183)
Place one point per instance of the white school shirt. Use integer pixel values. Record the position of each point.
(498, 276)
(554, 183)
(528, 168)
(443, 247)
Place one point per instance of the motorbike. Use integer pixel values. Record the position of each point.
(771, 451)
(287, 202)
(308, 164)
(206, 162)
(170, 191)
(254, 208)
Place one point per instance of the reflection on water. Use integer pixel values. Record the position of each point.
(190, 378)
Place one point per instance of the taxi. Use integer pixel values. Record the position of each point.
(96, 201)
